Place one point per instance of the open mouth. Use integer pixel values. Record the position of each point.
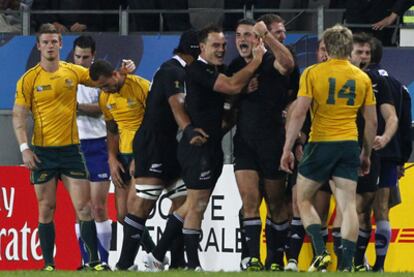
(243, 46)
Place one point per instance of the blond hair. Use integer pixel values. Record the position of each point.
(47, 28)
(338, 41)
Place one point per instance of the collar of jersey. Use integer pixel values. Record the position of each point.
(202, 60)
(180, 60)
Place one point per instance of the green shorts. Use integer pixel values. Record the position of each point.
(57, 161)
(125, 160)
(323, 160)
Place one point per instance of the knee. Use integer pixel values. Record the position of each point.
(197, 207)
(251, 206)
(381, 213)
(275, 207)
(304, 204)
(99, 212)
(83, 211)
(364, 220)
(46, 211)
(201, 206)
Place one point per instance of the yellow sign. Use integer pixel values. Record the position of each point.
(401, 248)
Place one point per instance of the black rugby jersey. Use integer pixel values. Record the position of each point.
(203, 104)
(168, 81)
(383, 96)
(260, 112)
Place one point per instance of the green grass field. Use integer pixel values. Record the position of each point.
(188, 274)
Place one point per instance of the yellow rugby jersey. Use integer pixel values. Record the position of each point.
(338, 89)
(51, 97)
(127, 108)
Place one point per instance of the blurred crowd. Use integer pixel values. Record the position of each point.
(380, 15)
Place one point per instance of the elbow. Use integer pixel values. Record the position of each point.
(290, 64)
(285, 68)
(395, 121)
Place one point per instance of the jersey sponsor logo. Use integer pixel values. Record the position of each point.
(43, 88)
(54, 77)
(157, 168)
(69, 83)
(205, 175)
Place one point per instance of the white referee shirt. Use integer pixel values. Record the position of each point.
(89, 127)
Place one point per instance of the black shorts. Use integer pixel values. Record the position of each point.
(201, 165)
(369, 183)
(155, 155)
(388, 177)
(262, 155)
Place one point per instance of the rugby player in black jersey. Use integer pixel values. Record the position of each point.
(259, 140)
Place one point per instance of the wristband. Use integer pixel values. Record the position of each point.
(24, 146)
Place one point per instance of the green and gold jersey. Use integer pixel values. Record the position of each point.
(126, 108)
(51, 97)
(338, 89)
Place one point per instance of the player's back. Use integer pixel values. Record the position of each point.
(338, 89)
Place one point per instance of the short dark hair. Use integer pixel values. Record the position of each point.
(361, 38)
(188, 44)
(47, 28)
(203, 34)
(85, 41)
(376, 50)
(270, 18)
(246, 21)
(100, 68)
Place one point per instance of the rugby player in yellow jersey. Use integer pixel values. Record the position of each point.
(48, 91)
(122, 101)
(334, 91)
